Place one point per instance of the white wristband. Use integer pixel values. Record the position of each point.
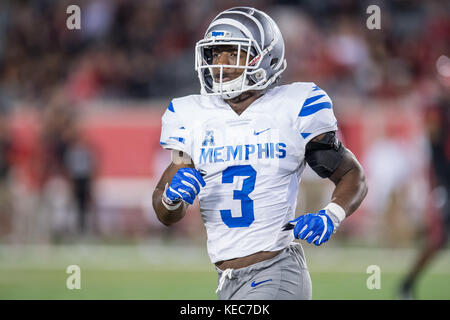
(336, 214)
(171, 207)
(336, 210)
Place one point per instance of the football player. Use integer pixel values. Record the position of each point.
(437, 129)
(241, 147)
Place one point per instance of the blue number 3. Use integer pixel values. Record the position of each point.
(246, 203)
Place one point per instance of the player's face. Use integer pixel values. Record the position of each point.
(228, 55)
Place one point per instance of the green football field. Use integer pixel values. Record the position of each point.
(157, 271)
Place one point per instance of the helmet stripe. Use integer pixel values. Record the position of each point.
(256, 21)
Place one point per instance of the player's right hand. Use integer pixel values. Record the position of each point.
(315, 228)
(185, 186)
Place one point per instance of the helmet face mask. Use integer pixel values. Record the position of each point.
(263, 50)
(213, 76)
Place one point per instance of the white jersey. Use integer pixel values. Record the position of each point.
(253, 162)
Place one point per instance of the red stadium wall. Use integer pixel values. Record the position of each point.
(130, 160)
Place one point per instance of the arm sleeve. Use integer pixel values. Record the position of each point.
(174, 133)
(315, 115)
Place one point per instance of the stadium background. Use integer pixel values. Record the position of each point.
(82, 109)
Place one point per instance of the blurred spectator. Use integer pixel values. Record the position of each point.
(57, 133)
(438, 226)
(392, 163)
(6, 212)
(67, 169)
(80, 165)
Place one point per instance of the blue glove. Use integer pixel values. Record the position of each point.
(185, 186)
(315, 228)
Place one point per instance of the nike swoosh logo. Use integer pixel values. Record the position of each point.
(254, 284)
(257, 133)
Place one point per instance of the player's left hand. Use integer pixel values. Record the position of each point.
(315, 228)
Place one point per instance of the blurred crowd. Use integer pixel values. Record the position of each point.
(143, 50)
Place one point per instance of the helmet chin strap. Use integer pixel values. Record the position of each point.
(229, 88)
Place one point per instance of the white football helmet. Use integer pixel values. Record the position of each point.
(254, 34)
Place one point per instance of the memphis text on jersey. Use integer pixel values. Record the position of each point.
(242, 152)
